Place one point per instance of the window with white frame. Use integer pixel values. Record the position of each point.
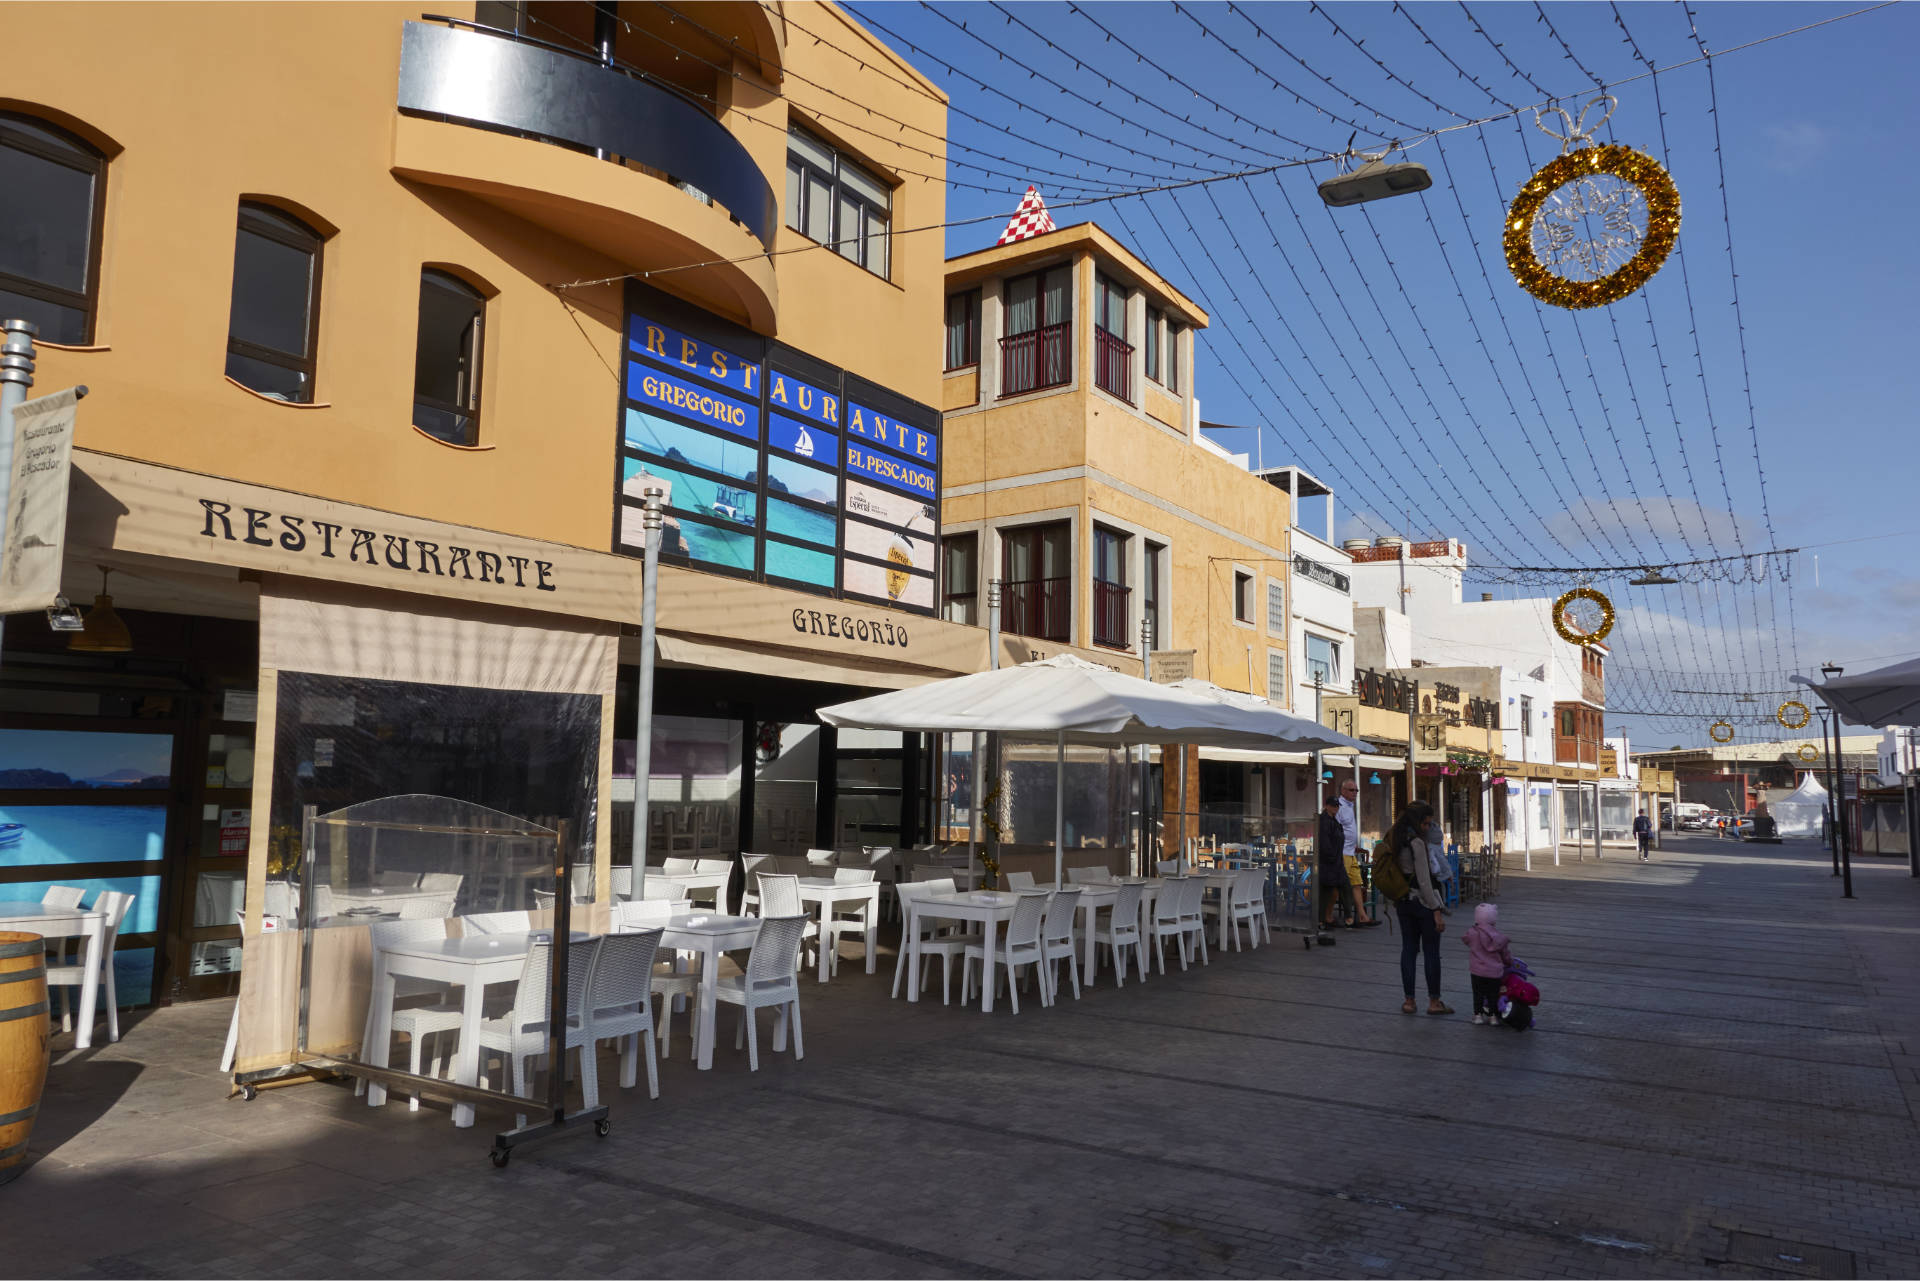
(1323, 660)
(1277, 675)
(832, 199)
(1276, 607)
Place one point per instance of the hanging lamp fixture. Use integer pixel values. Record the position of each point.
(103, 632)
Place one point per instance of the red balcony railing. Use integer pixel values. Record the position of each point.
(1113, 364)
(1041, 607)
(1110, 614)
(1037, 359)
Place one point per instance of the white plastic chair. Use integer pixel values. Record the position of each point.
(416, 1022)
(651, 914)
(1088, 876)
(1168, 867)
(664, 891)
(769, 980)
(641, 914)
(1165, 919)
(620, 1007)
(680, 866)
(443, 882)
(751, 865)
(116, 906)
(60, 898)
(934, 941)
(498, 923)
(1021, 946)
(428, 907)
(1058, 942)
(522, 1033)
(542, 900)
(780, 896)
(1123, 932)
(1246, 905)
(1192, 921)
(850, 918)
(1019, 880)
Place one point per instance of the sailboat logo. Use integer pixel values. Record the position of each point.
(803, 443)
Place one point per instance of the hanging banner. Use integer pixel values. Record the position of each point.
(37, 501)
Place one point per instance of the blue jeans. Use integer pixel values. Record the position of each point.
(1418, 930)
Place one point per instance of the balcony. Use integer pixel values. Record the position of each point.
(1110, 614)
(1038, 607)
(583, 149)
(1036, 360)
(1113, 364)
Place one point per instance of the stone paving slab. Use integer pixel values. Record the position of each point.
(1724, 1046)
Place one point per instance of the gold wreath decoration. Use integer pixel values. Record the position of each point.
(1624, 163)
(1713, 732)
(1808, 752)
(1567, 633)
(1793, 705)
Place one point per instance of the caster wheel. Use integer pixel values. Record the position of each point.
(500, 1157)
(248, 1093)
(603, 1127)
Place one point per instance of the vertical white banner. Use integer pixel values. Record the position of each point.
(37, 501)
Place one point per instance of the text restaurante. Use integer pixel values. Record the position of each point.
(461, 561)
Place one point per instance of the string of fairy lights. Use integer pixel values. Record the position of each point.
(1104, 120)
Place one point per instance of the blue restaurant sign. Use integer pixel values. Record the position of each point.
(782, 467)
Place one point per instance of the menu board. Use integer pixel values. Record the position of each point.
(781, 467)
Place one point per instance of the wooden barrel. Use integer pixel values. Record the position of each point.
(24, 1033)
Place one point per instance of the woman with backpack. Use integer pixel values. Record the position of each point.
(1423, 917)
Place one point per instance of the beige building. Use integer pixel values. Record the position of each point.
(376, 390)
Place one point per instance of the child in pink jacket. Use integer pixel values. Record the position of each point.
(1489, 952)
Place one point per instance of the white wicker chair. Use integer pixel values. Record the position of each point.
(1019, 880)
(497, 923)
(769, 980)
(1123, 932)
(620, 1007)
(934, 940)
(1192, 920)
(848, 919)
(522, 1033)
(1088, 876)
(780, 896)
(1058, 942)
(417, 1023)
(1020, 946)
(74, 975)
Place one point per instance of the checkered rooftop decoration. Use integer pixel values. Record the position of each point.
(1030, 219)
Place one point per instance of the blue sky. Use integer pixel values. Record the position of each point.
(1387, 350)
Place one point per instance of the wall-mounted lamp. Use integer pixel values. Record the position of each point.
(63, 617)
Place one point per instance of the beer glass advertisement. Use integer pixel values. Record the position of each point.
(902, 537)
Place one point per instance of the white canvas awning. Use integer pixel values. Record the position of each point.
(1889, 696)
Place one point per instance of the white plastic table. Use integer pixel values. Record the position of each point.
(987, 908)
(692, 882)
(471, 964)
(708, 935)
(825, 892)
(67, 923)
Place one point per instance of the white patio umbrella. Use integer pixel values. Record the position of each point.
(1890, 696)
(1295, 733)
(1073, 701)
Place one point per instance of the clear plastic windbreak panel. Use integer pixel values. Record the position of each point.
(417, 835)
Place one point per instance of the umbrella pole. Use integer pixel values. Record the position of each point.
(1060, 809)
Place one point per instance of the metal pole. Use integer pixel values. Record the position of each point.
(1846, 841)
(1413, 708)
(1146, 772)
(16, 379)
(652, 519)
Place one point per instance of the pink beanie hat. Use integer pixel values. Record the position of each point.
(1486, 914)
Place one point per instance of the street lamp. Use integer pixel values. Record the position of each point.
(1826, 749)
(1844, 850)
(652, 521)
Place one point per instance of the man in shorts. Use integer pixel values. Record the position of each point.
(1350, 827)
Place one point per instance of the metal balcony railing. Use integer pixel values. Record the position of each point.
(1041, 607)
(1037, 359)
(1113, 364)
(1110, 614)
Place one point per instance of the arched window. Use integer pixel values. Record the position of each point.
(51, 201)
(276, 303)
(446, 362)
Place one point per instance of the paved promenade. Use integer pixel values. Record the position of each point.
(1723, 1083)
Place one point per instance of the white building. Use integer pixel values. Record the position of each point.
(1899, 754)
(1318, 604)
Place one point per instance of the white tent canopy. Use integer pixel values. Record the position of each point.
(1889, 696)
(1803, 811)
(1071, 700)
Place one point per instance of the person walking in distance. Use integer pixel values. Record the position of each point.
(1328, 843)
(1350, 849)
(1643, 834)
(1423, 918)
